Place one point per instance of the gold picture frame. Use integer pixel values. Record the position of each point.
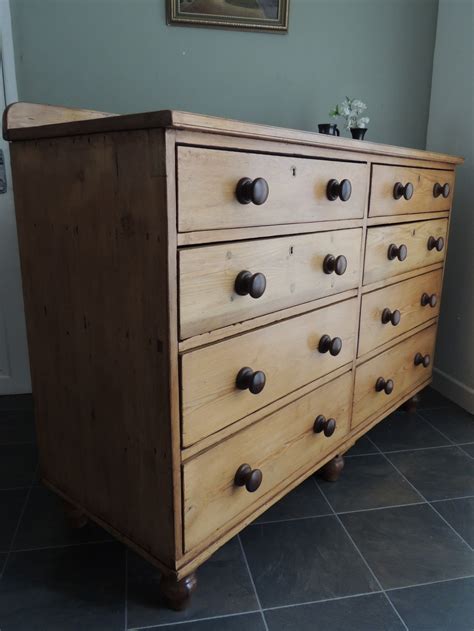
(265, 15)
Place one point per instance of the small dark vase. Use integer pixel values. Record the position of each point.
(358, 133)
(328, 128)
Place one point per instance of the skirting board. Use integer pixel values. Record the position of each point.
(453, 389)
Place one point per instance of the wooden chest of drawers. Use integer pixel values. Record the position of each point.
(216, 310)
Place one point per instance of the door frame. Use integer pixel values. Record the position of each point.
(7, 53)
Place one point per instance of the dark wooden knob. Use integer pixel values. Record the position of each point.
(341, 190)
(247, 379)
(441, 189)
(255, 191)
(399, 252)
(422, 360)
(248, 477)
(322, 424)
(435, 243)
(336, 264)
(391, 316)
(334, 345)
(384, 385)
(426, 300)
(247, 283)
(400, 190)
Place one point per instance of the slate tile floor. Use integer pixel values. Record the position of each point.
(386, 548)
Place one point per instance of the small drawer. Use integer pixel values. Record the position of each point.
(294, 190)
(216, 390)
(391, 311)
(402, 190)
(223, 284)
(279, 446)
(396, 249)
(386, 378)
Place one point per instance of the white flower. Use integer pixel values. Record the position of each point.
(363, 122)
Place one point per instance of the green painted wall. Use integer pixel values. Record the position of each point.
(120, 56)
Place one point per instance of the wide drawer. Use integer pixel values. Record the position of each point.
(297, 189)
(287, 353)
(397, 366)
(293, 267)
(280, 446)
(424, 244)
(391, 311)
(431, 190)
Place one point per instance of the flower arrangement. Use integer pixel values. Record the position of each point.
(350, 110)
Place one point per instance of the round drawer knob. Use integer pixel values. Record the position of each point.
(247, 379)
(341, 190)
(250, 284)
(391, 316)
(322, 424)
(400, 190)
(334, 345)
(255, 191)
(382, 385)
(248, 477)
(399, 252)
(426, 300)
(422, 360)
(435, 243)
(441, 189)
(336, 264)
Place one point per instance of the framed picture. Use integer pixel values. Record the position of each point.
(268, 15)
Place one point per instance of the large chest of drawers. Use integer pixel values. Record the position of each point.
(216, 310)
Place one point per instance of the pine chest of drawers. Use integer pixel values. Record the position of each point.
(216, 310)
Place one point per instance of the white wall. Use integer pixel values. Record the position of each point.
(451, 130)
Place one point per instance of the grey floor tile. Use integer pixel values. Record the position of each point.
(453, 421)
(246, 622)
(363, 446)
(16, 402)
(460, 514)
(17, 465)
(439, 607)
(360, 613)
(11, 505)
(73, 589)
(409, 545)
(300, 561)
(368, 482)
(17, 426)
(437, 473)
(469, 449)
(405, 431)
(430, 398)
(44, 524)
(304, 501)
(224, 587)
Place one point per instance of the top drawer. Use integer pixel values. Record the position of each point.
(403, 190)
(297, 189)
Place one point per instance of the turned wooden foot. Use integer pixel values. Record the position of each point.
(177, 594)
(74, 515)
(332, 469)
(412, 403)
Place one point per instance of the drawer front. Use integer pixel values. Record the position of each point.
(293, 268)
(287, 353)
(414, 236)
(297, 189)
(398, 365)
(429, 193)
(280, 445)
(416, 300)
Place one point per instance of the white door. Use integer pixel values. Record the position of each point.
(14, 367)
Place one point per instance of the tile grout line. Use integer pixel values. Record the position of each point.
(464, 451)
(253, 582)
(453, 444)
(443, 580)
(185, 622)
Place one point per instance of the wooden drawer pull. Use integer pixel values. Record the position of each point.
(426, 300)
(255, 191)
(341, 190)
(391, 316)
(399, 190)
(422, 360)
(384, 386)
(250, 284)
(435, 243)
(399, 252)
(247, 379)
(441, 189)
(336, 264)
(248, 477)
(322, 424)
(334, 345)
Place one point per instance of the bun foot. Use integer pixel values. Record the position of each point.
(177, 594)
(411, 405)
(75, 516)
(332, 469)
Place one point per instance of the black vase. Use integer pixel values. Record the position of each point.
(358, 133)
